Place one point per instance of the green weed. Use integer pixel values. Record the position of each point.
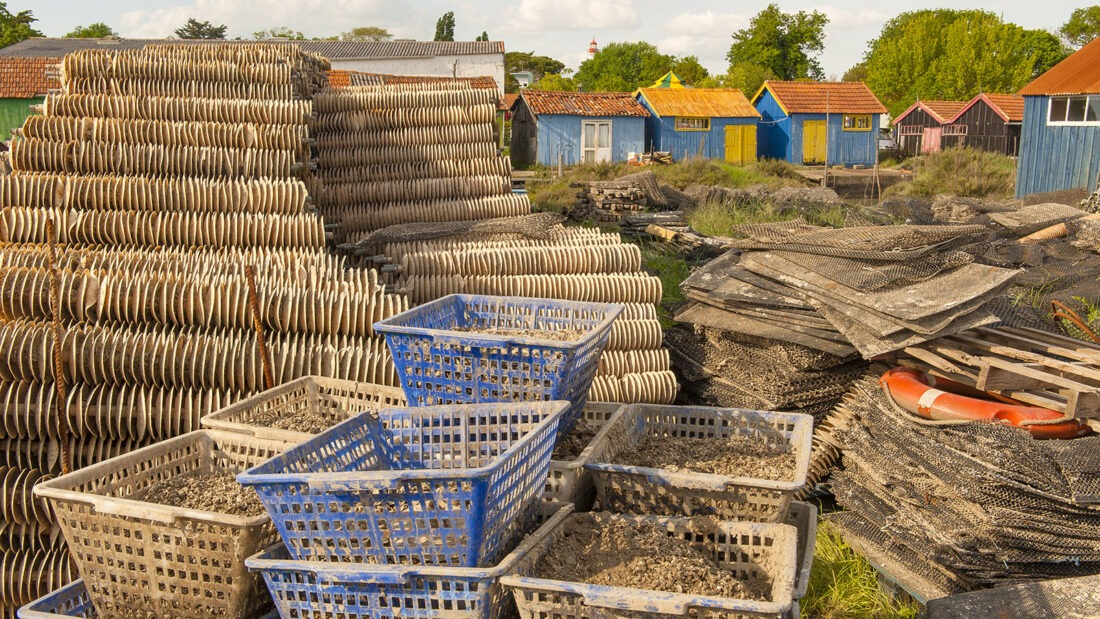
(963, 172)
(715, 219)
(843, 585)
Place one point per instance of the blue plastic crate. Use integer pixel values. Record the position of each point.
(474, 348)
(440, 485)
(72, 601)
(313, 590)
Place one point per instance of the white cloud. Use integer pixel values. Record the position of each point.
(538, 16)
(703, 34)
(843, 19)
(243, 17)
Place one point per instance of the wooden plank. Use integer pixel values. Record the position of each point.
(1087, 373)
(1083, 405)
(993, 378)
(931, 359)
(1048, 342)
(1059, 382)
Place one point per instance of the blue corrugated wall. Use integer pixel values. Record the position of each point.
(1055, 158)
(685, 144)
(559, 133)
(780, 136)
(773, 134)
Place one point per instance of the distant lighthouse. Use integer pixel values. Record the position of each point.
(592, 48)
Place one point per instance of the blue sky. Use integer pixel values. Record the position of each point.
(556, 28)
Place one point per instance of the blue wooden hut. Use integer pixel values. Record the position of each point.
(578, 127)
(716, 123)
(1060, 138)
(818, 122)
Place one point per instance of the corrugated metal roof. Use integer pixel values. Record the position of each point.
(23, 78)
(823, 97)
(363, 78)
(942, 111)
(583, 103)
(708, 102)
(333, 50)
(1079, 74)
(1008, 107)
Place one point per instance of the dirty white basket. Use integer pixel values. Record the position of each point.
(567, 481)
(138, 558)
(335, 399)
(744, 548)
(644, 490)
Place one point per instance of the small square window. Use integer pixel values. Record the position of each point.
(1058, 107)
(1092, 114)
(1077, 107)
(856, 122)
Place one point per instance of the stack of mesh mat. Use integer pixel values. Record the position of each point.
(165, 172)
(863, 290)
(535, 256)
(956, 506)
(732, 369)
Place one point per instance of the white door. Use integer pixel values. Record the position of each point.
(596, 141)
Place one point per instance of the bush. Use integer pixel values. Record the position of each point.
(962, 172)
(714, 219)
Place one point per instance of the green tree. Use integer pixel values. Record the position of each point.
(366, 33)
(195, 29)
(555, 82)
(622, 67)
(279, 32)
(690, 71)
(746, 77)
(949, 54)
(1083, 26)
(517, 62)
(785, 44)
(445, 27)
(14, 27)
(857, 73)
(484, 36)
(97, 30)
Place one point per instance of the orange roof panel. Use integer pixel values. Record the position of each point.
(942, 111)
(24, 78)
(583, 103)
(1010, 107)
(701, 102)
(823, 97)
(1079, 74)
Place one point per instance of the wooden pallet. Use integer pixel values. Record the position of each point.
(1032, 366)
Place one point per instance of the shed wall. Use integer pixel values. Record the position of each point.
(1053, 158)
(13, 112)
(560, 133)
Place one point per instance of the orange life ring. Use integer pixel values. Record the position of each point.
(925, 395)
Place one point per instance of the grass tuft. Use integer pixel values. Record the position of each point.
(843, 585)
(715, 219)
(962, 172)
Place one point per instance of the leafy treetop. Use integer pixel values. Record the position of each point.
(445, 27)
(97, 30)
(195, 29)
(1083, 26)
(366, 33)
(14, 27)
(279, 32)
(778, 45)
(484, 36)
(622, 67)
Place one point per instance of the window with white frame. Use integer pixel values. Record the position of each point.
(857, 122)
(954, 129)
(692, 123)
(910, 130)
(1078, 110)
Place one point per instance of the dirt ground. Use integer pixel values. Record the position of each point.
(737, 456)
(214, 492)
(602, 550)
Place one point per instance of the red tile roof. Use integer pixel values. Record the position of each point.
(340, 78)
(700, 102)
(1079, 74)
(508, 100)
(24, 78)
(823, 97)
(1008, 107)
(942, 111)
(582, 103)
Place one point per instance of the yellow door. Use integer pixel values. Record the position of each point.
(813, 141)
(741, 144)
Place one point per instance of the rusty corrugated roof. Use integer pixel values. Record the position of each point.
(942, 111)
(823, 97)
(1079, 74)
(340, 78)
(23, 78)
(701, 102)
(583, 103)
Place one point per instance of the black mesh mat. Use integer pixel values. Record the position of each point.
(986, 503)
